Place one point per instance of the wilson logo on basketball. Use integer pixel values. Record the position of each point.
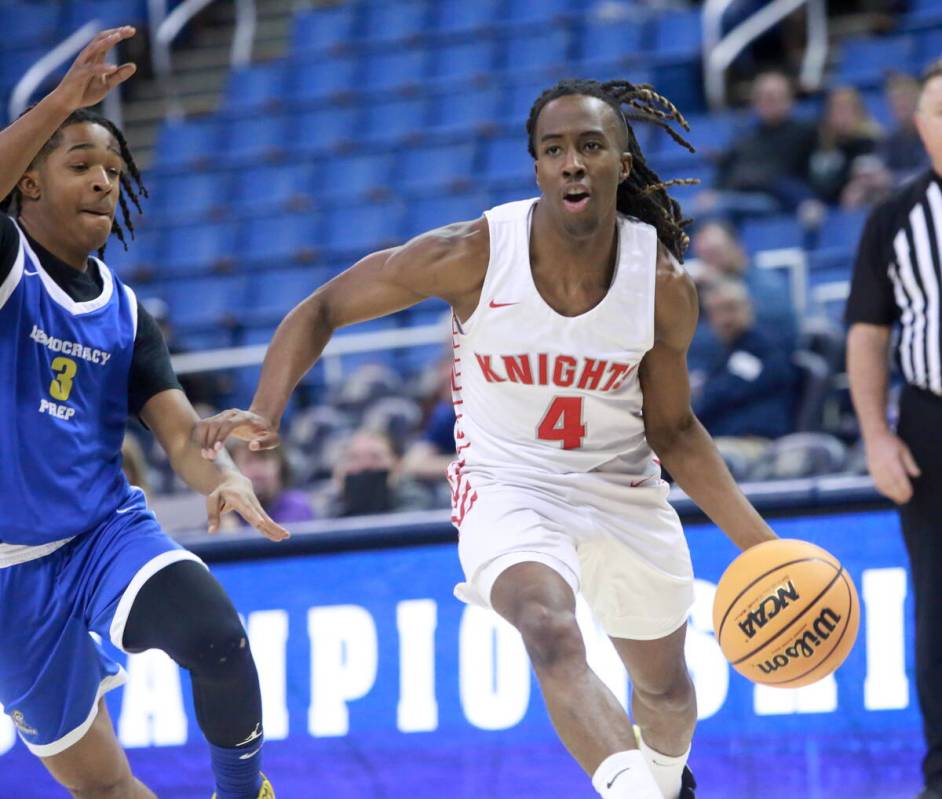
(768, 609)
(805, 645)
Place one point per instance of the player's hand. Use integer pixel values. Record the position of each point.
(211, 434)
(892, 467)
(90, 77)
(235, 493)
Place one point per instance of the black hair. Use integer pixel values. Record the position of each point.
(132, 184)
(643, 194)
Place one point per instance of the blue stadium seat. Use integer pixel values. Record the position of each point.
(537, 49)
(323, 28)
(109, 13)
(189, 195)
(841, 230)
(392, 21)
(187, 143)
(353, 231)
(463, 61)
(428, 212)
(265, 188)
(142, 254)
(606, 40)
(603, 69)
(198, 247)
(878, 107)
(257, 87)
(543, 12)
(279, 240)
(14, 62)
(923, 12)
(396, 69)
(772, 233)
(205, 301)
(319, 78)
(392, 121)
(343, 178)
(426, 168)
(929, 43)
(678, 35)
(275, 292)
(520, 98)
(459, 16)
(321, 129)
(506, 161)
(865, 61)
(32, 23)
(466, 111)
(257, 137)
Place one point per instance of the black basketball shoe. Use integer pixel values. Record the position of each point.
(687, 784)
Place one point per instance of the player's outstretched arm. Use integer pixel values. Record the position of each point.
(86, 83)
(673, 431)
(448, 263)
(172, 418)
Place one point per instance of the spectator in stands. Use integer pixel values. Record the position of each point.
(428, 458)
(270, 474)
(721, 256)
(367, 479)
(748, 396)
(902, 151)
(846, 133)
(765, 170)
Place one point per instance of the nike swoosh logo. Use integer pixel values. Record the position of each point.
(31, 274)
(500, 304)
(125, 510)
(250, 754)
(636, 483)
(256, 733)
(617, 776)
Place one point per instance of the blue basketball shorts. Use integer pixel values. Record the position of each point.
(52, 670)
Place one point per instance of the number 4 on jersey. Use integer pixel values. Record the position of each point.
(563, 422)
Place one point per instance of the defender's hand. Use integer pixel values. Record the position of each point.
(892, 466)
(235, 493)
(211, 434)
(90, 77)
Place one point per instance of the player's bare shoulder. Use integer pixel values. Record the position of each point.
(452, 261)
(676, 306)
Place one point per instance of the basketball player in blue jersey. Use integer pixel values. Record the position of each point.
(79, 550)
(572, 319)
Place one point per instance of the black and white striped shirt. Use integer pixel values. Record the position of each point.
(898, 277)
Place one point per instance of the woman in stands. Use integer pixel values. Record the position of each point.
(79, 550)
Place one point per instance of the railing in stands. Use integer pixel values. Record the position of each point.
(164, 28)
(344, 344)
(720, 50)
(63, 52)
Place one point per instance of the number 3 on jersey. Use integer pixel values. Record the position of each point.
(61, 386)
(563, 422)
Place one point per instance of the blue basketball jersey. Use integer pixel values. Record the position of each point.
(64, 369)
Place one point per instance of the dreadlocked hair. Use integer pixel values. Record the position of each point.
(643, 194)
(132, 184)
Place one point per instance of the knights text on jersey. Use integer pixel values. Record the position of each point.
(536, 391)
(64, 400)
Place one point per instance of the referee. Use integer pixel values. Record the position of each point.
(897, 281)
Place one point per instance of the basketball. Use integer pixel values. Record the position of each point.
(786, 613)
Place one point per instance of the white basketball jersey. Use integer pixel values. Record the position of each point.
(538, 392)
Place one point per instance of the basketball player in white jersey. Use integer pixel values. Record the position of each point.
(572, 319)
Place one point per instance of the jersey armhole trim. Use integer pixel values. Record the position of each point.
(12, 280)
(132, 300)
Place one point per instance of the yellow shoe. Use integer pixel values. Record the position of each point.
(265, 792)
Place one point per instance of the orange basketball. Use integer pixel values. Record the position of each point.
(786, 613)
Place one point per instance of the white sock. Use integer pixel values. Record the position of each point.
(667, 771)
(625, 775)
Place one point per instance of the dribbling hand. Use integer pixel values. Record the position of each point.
(235, 493)
(211, 434)
(90, 77)
(892, 466)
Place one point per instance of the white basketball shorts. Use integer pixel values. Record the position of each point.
(622, 546)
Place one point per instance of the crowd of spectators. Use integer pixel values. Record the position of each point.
(384, 446)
